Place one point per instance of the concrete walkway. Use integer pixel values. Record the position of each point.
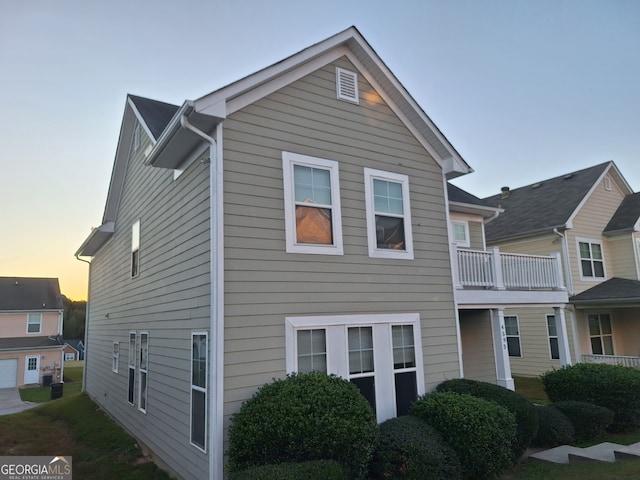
(603, 452)
(10, 402)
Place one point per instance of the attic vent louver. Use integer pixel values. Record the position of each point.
(347, 85)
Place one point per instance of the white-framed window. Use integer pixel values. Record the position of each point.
(115, 359)
(69, 356)
(600, 334)
(135, 249)
(199, 377)
(512, 331)
(34, 323)
(136, 137)
(143, 370)
(607, 183)
(380, 353)
(132, 368)
(591, 259)
(312, 205)
(388, 214)
(347, 85)
(460, 229)
(552, 331)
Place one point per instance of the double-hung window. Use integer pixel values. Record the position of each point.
(461, 233)
(513, 336)
(34, 323)
(388, 214)
(312, 205)
(380, 354)
(199, 359)
(135, 249)
(115, 357)
(132, 368)
(601, 334)
(143, 369)
(552, 331)
(591, 259)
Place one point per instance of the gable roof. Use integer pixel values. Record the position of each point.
(29, 294)
(613, 291)
(464, 202)
(626, 217)
(546, 205)
(153, 114)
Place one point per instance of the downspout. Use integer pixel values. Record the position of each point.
(86, 324)
(216, 375)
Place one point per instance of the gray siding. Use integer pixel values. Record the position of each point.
(168, 299)
(264, 284)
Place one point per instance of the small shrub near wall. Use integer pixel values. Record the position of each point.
(481, 432)
(410, 449)
(554, 428)
(589, 421)
(303, 417)
(522, 408)
(612, 386)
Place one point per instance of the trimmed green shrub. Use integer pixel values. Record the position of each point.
(522, 408)
(410, 449)
(302, 417)
(480, 431)
(311, 470)
(554, 428)
(612, 386)
(589, 421)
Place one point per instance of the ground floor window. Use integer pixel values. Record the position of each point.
(132, 368)
(199, 368)
(380, 354)
(512, 331)
(600, 333)
(552, 331)
(143, 369)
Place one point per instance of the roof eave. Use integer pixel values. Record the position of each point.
(461, 207)
(96, 239)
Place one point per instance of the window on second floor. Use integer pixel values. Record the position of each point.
(34, 323)
(135, 249)
(388, 214)
(461, 233)
(591, 259)
(312, 205)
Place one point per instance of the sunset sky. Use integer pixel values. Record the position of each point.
(524, 90)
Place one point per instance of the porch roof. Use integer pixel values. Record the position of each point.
(615, 291)
(22, 343)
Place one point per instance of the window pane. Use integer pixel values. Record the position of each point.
(555, 352)
(596, 251)
(598, 269)
(132, 350)
(390, 233)
(312, 354)
(513, 343)
(551, 326)
(143, 390)
(199, 361)
(403, 349)
(312, 185)
(587, 271)
(608, 345)
(605, 324)
(511, 325)
(460, 233)
(198, 424)
(304, 364)
(585, 252)
(387, 197)
(596, 346)
(144, 350)
(304, 342)
(360, 349)
(132, 379)
(313, 225)
(406, 391)
(594, 325)
(367, 388)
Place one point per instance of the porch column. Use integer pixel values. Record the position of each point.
(563, 338)
(503, 366)
(497, 268)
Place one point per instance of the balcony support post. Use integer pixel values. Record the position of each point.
(558, 268)
(501, 350)
(497, 268)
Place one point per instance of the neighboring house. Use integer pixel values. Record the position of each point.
(73, 350)
(31, 315)
(490, 283)
(591, 219)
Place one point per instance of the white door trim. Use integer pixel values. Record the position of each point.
(31, 375)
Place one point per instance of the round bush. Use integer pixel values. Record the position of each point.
(410, 449)
(589, 421)
(481, 432)
(311, 470)
(302, 417)
(554, 428)
(612, 386)
(522, 408)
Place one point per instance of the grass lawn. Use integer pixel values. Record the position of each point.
(74, 426)
(72, 385)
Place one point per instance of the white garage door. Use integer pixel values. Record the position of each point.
(8, 373)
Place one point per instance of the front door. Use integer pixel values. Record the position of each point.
(32, 369)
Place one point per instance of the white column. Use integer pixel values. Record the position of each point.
(501, 350)
(563, 338)
(497, 268)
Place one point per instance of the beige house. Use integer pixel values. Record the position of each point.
(31, 347)
(589, 219)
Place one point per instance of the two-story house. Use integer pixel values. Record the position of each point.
(590, 218)
(31, 347)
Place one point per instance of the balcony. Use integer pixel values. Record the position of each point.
(486, 277)
(612, 360)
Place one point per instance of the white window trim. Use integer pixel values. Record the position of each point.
(39, 323)
(338, 360)
(602, 335)
(549, 337)
(116, 357)
(142, 371)
(466, 243)
(200, 389)
(369, 175)
(288, 161)
(604, 265)
(519, 336)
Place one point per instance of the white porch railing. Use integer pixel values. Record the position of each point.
(508, 271)
(612, 360)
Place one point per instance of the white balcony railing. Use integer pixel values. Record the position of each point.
(612, 360)
(508, 271)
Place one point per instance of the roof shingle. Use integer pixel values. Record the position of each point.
(23, 293)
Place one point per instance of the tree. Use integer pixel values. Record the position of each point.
(75, 312)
